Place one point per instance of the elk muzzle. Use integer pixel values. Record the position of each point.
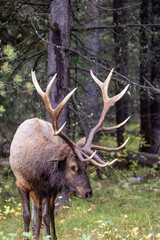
(89, 194)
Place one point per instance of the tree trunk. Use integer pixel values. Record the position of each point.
(58, 61)
(121, 42)
(155, 77)
(145, 128)
(91, 93)
(150, 107)
(58, 58)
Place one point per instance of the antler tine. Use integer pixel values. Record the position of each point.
(109, 149)
(44, 95)
(97, 163)
(99, 83)
(103, 165)
(95, 156)
(103, 86)
(115, 127)
(56, 133)
(100, 163)
(120, 95)
(87, 158)
(64, 101)
(58, 110)
(50, 85)
(80, 153)
(35, 82)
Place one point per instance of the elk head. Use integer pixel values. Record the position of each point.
(87, 152)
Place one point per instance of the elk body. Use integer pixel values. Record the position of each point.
(45, 161)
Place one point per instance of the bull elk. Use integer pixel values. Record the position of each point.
(46, 161)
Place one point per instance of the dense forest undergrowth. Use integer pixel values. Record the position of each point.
(123, 207)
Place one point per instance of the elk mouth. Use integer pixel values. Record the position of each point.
(85, 195)
(89, 194)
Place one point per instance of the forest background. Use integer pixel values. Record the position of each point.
(71, 38)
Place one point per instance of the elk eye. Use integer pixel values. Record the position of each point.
(73, 168)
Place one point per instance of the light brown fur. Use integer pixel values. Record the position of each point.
(32, 135)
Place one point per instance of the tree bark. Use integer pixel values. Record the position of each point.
(58, 62)
(155, 77)
(58, 59)
(121, 42)
(145, 128)
(149, 68)
(91, 93)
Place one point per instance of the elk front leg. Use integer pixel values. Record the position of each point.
(38, 219)
(24, 195)
(53, 230)
(46, 214)
(33, 215)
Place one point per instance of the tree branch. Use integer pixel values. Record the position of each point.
(25, 2)
(31, 56)
(105, 68)
(114, 9)
(38, 4)
(155, 89)
(84, 29)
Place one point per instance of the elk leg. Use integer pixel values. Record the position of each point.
(53, 229)
(38, 219)
(24, 195)
(33, 215)
(46, 214)
(35, 202)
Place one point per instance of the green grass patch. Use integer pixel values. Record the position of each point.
(119, 209)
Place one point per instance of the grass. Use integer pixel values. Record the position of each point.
(118, 210)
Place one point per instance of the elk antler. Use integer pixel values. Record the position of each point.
(84, 154)
(108, 102)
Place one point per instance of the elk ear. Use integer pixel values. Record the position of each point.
(81, 142)
(60, 154)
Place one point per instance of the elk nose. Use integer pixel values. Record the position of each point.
(89, 194)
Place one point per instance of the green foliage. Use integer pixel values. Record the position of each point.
(29, 86)
(6, 68)
(10, 236)
(12, 86)
(17, 80)
(143, 142)
(29, 235)
(133, 166)
(9, 51)
(2, 110)
(8, 55)
(85, 237)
